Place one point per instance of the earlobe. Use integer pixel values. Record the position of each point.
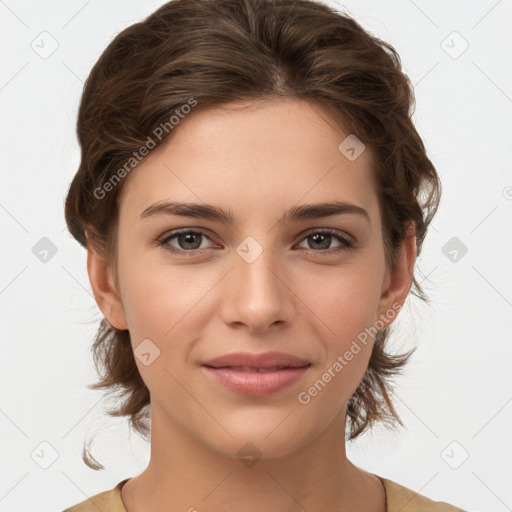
(105, 293)
(399, 278)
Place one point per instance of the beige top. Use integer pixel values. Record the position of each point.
(398, 499)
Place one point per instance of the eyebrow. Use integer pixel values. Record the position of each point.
(207, 211)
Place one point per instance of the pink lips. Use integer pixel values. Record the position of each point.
(256, 374)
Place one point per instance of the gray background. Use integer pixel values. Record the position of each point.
(455, 397)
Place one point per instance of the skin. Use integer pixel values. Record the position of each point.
(298, 297)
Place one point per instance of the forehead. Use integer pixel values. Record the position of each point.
(255, 155)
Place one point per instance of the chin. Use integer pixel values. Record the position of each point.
(270, 438)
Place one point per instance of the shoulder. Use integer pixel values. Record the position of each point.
(107, 500)
(400, 498)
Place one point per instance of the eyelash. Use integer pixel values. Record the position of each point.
(345, 242)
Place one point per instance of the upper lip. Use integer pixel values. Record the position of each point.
(264, 360)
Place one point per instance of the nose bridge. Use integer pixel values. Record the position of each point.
(258, 296)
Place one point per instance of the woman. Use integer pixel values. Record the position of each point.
(252, 195)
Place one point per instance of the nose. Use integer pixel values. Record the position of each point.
(258, 294)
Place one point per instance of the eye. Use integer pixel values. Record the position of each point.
(188, 241)
(320, 241)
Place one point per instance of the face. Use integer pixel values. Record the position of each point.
(193, 288)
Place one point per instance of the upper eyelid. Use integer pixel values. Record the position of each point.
(174, 232)
(205, 232)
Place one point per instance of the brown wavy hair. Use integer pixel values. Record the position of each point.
(217, 52)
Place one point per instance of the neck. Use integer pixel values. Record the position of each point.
(185, 474)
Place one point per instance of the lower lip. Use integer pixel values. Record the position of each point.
(256, 383)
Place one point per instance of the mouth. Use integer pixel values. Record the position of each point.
(258, 381)
(257, 369)
(254, 361)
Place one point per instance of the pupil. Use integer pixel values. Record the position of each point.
(187, 240)
(324, 237)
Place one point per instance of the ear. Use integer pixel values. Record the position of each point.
(104, 290)
(398, 279)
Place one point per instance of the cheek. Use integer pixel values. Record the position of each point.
(344, 300)
(154, 294)
(343, 305)
(159, 302)
(344, 312)
(161, 305)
